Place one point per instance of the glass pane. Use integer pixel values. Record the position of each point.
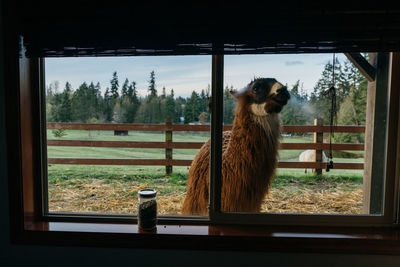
(269, 170)
(121, 124)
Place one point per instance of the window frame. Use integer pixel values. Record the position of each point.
(216, 216)
(26, 227)
(387, 147)
(30, 227)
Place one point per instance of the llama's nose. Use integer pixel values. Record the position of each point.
(283, 93)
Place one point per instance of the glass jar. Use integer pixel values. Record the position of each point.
(147, 209)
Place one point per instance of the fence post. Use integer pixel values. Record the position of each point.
(168, 151)
(318, 139)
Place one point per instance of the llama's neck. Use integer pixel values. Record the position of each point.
(270, 124)
(260, 132)
(252, 155)
(267, 127)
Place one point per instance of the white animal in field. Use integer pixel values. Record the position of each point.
(309, 155)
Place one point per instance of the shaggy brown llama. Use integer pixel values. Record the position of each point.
(249, 155)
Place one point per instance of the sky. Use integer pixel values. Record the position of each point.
(187, 73)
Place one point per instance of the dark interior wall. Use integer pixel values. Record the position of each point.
(22, 255)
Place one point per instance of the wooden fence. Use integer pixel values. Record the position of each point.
(317, 129)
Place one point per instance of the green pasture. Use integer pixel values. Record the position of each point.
(101, 152)
(148, 173)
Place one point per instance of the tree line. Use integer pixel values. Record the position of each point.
(122, 104)
(351, 100)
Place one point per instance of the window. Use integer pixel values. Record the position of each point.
(215, 217)
(373, 195)
(110, 137)
(308, 77)
(24, 117)
(97, 189)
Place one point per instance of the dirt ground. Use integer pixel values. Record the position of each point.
(98, 196)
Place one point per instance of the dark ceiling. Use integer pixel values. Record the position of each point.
(74, 28)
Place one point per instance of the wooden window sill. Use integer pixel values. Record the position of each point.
(216, 237)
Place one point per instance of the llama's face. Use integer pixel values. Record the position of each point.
(265, 96)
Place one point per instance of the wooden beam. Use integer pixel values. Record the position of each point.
(318, 139)
(392, 160)
(375, 136)
(362, 65)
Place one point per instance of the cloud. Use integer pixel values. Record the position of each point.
(293, 63)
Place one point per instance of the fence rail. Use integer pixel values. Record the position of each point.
(194, 128)
(193, 145)
(168, 145)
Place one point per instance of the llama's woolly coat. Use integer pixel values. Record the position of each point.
(248, 164)
(309, 155)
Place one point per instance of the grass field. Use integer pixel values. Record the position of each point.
(101, 152)
(113, 189)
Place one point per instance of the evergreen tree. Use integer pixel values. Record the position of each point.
(169, 107)
(155, 107)
(351, 91)
(60, 104)
(352, 110)
(192, 108)
(91, 101)
(129, 110)
(55, 107)
(150, 111)
(130, 104)
(114, 87)
(164, 94)
(320, 101)
(152, 86)
(204, 100)
(143, 114)
(124, 90)
(65, 108)
(79, 103)
(108, 108)
(132, 92)
(99, 100)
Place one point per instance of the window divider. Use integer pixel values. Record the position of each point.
(43, 194)
(216, 135)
